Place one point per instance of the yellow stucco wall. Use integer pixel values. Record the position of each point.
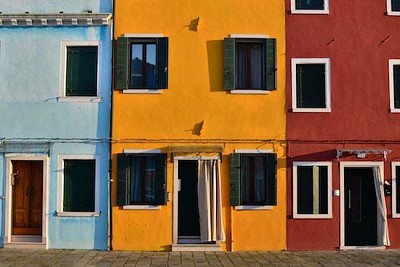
(195, 93)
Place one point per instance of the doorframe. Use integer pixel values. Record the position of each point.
(9, 192)
(176, 189)
(355, 164)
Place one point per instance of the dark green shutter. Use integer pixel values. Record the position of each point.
(229, 63)
(235, 179)
(122, 64)
(270, 63)
(162, 63)
(161, 182)
(123, 162)
(272, 163)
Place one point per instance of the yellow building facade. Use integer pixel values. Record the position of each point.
(198, 125)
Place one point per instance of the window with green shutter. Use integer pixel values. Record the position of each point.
(142, 63)
(141, 179)
(249, 64)
(79, 185)
(81, 72)
(253, 179)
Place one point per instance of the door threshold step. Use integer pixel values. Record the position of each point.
(196, 247)
(26, 238)
(25, 245)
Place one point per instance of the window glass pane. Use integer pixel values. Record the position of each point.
(249, 65)
(253, 182)
(137, 66)
(312, 190)
(310, 4)
(151, 66)
(81, 73)
(79, 185)
(310, 85)
(397, 189)
(143, 64)
(142, 183)
(396, 80)
(395, 5)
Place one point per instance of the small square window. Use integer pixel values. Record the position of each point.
(141, 179)
(249, 64)
(253, 179)
(312, 190)
(310, 85)
(81, 71)
(310, 6)
(393, 7)
(394, 84)
(142, 63)
(79, 185)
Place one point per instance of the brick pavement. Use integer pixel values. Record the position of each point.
(14, 257)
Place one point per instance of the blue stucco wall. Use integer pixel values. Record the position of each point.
(30, 84)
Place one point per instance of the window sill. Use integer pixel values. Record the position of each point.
(141, 207)
(395, 215)
(142, 91)
(310, 12)
(309, 110)
(394, 110)
(253, 207)
(79, 99)
(393, 13)
(312, 216)
(250, 92)
(78, 214)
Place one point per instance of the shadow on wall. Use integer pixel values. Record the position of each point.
(215, 54)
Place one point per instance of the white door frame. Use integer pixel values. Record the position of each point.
(177, 187)
(8, 193)
(354, 164)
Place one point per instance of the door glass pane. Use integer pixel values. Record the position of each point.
(310, 4)
(310, 86)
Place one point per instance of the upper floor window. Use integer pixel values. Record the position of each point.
(253, 179)
(394, 84)
(249, 63)
(311, 85)
(393, 7)
(309, 6)
(142, 63)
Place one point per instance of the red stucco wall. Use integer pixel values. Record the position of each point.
(359, 38)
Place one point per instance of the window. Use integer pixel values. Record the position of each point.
(311, 85)
(79, 185)
(142, 63)
(141, 179)
(312, 188)
(393, 7)
(394, 84)
(253, 179)
(249, 64)
(309, 6)
(396, 190)
(81, 71)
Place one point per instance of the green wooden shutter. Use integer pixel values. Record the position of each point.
(162, 63)
(270, 63)
(122, 64)
(123, 162)
(161, 182)
(235, 179)
(272, 163)
(229, 63)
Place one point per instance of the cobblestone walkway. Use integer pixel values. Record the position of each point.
(14, 257)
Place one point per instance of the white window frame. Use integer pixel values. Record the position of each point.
(60, 187)
(63, 72)
(302, 61)
(293, 9)
(390, 11)
(394, 185)
(392, 63)
(295, 204)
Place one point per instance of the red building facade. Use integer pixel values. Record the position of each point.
(343, 124)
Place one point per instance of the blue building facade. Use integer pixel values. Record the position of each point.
(55, 98)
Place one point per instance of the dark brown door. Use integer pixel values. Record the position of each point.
(27, 197)
(360, 207)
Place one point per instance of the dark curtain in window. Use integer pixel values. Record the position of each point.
(142, 180)
(310, 4)
(253, 180)
(249, 67)
(396, 81)
(310, 86)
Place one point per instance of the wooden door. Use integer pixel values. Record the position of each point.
(360, 207)
(27, 197)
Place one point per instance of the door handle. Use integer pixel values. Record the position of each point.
(349, 199)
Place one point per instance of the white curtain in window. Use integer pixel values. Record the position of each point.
(383, 231)
(210, 202)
